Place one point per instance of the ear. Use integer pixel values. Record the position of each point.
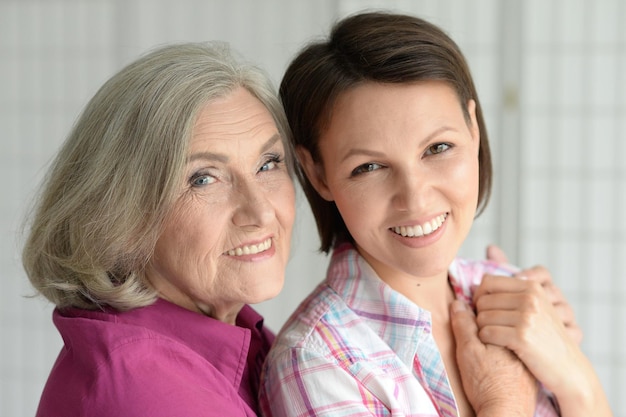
(474, 128)
(314, 172)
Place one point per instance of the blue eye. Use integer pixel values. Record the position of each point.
(438, 148)
(201, 180)
(369, 167)
(271, 163)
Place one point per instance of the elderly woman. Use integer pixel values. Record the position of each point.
(168, 209)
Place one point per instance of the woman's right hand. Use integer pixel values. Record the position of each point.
(494, 379)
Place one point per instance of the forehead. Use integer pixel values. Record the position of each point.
(381, 90)
(376, 106)
(237, 116)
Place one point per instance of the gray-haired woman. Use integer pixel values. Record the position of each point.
(168, 209)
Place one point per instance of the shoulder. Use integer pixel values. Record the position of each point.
(336, 364)
(141, 377)
(323, 331)
(162, 378)
(99, 339)
(315, 312)
(130, 370)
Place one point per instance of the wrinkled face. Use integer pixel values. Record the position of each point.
(400, 161)
(226, 242)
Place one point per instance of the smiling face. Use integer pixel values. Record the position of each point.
(400, 161)
(226, 241)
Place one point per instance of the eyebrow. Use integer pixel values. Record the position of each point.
(212, 156)
(368, 152)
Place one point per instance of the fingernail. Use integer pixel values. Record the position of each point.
(521, 276)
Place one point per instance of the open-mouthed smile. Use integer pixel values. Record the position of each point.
(421, 229)
(251, 249)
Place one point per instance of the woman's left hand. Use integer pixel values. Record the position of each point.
(555, 296)
(519, 314)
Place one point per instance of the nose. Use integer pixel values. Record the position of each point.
(408, 190)
(252, 205)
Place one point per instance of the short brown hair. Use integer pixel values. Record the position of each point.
(378, 47)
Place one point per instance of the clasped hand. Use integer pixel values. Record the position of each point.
(523, 331)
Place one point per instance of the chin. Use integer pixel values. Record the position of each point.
(266, 292)
(430, 267)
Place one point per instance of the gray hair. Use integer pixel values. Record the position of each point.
(113, 182)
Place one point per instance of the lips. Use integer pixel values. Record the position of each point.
(250, 249)
(421, 229)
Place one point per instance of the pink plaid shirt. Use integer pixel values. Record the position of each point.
(356, 347)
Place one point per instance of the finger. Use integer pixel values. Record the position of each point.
(563, 310)
(536, 273)
(575, 333)
(554, 294)
(558, 300)
(463, 323)
(565, 313)
(498, 335)
(500, 318)
(499, 301)
(496, 254)
(496, 284)
(562, 307)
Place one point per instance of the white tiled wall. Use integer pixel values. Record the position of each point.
(552, 79)
(574, 165)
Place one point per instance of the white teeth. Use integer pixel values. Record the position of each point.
(421, 230)
(252, 249)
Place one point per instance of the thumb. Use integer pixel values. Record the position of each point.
(494, 253)
(463, 323)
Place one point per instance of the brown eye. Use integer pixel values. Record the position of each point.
(369, 167)
(438, 148)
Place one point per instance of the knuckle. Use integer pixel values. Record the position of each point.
(484, 333)
(482, 319)
(531, 303)
(527, 317)
(524, 336)
(480, 303)
(535, 287)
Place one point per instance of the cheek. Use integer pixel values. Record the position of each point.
(283, 198)
(464, 182)
(175, 246)
(170, 239)
(190, 230)
(357, 208)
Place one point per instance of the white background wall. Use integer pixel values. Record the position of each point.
(552, 79)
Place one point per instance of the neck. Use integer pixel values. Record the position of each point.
(432, 293)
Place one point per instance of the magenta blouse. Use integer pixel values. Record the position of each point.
(160, 360)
